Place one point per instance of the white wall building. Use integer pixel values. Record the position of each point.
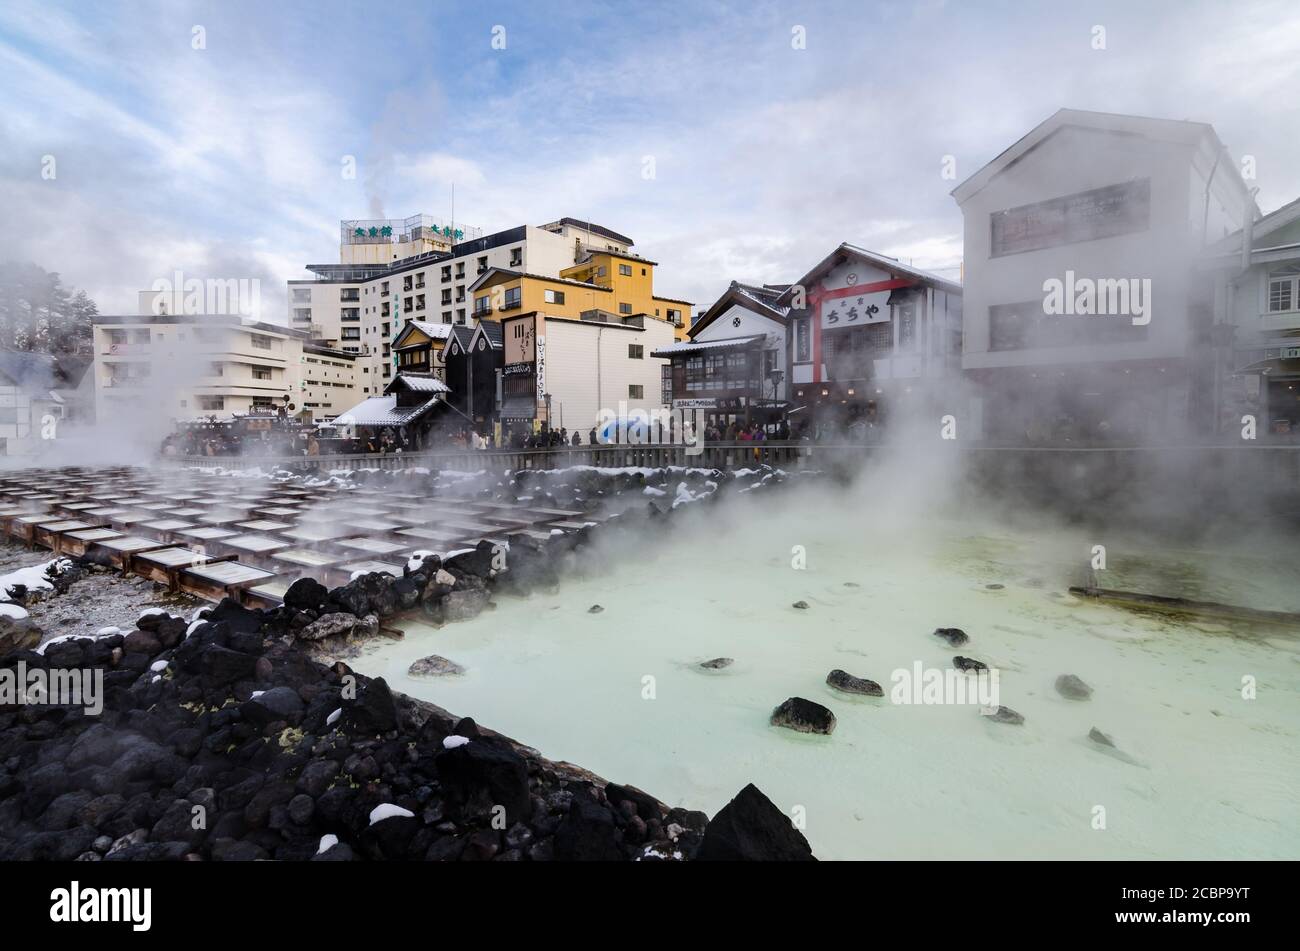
(1092, 197)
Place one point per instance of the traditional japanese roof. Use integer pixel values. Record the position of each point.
(760, 300)
(846, 251)
(430, 330)
(383, 411)
(712, 346)
(417, 382)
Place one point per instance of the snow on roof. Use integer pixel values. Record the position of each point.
(419, 383)
(730, 343)
(383, 411)
(435, 331)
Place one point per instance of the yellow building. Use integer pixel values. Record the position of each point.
(630, 280)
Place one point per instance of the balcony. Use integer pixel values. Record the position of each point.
(349, 297)
(481, 312)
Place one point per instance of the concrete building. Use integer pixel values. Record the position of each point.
(564, 371)
(1081, 320)
(1254, 279)
(735, 364)
(180, 366)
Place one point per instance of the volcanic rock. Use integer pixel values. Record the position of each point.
(968, 663)
(805, 716)
(717, 663)
(433, 666)
(955, 636)
(846, 682)
(1006, 715)
(1072, 688)
(751, 828)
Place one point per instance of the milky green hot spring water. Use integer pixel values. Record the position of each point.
(1197, 770)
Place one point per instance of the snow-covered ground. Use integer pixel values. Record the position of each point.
(1198, 771)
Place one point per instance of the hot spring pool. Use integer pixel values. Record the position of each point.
(1201, 772)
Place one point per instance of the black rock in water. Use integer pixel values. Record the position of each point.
(433, 665)
(717, 663)
(805, 716)
(994, 587)
(1072, 688)
(1098, 737)
(955, 636)
(751, 828)
(595, 609)
(841, 680)
(968, 663)
(801, 605)
(1006, 715)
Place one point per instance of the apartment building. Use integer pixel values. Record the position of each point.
(1082, 319)
(361, 305)
(183, 366)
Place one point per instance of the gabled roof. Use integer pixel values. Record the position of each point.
(760, 300)
(846, 251)
(417, 383)
(589, 226)
(1273, 221)
(384, 411)
(490, 331)
(432, 331)
(1168, 130)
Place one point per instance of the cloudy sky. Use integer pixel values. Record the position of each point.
(227, 160)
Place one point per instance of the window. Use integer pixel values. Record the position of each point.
(212, 402)
(625, 308)
(514, 297)
(635, 351)
(261, 373)
(302, 313)
(482, 305)
(446, 273)
(516, 257)
(625, 270)
(216, 369)
(419, 280)
(460, 270)
(460, 315)
(446, 316)
(419, 302)
(408, 282)
(675, 316)
(1284, 290)
(302, 295)
(482, 264)
(383, 289)
(446, 295)
(350, 295)
(554, 297)
(352, 314)
(601, 271)
(261, 342)
(350, 333)
(635, 391)
(666, 385)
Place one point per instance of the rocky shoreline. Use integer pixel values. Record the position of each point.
(227, 737)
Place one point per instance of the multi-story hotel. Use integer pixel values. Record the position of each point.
(183, 366)
(418, 269)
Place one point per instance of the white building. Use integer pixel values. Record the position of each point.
(160, 367)
(1104, 214)
(743, 334)
(1255, 275)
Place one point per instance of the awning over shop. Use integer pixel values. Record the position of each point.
(710, 346)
